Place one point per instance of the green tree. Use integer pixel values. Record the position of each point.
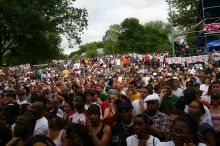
(87, 46)
(88, 49)
(132, 38)
(72, 54)
(109, 47)
(111, 37)
(160, 26)
(183, 13)
(157, 36)
(91, 46)
(27, 26)
(112, 33)
(75, 57)
(39, 49)
(191, 42)
(91, 53)
(151, 37)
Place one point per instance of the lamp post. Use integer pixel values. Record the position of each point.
(171, 24)
(204, 19)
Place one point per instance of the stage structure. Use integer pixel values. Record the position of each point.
(209, 14)
(206, 33)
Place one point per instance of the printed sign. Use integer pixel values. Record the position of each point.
(190, 59)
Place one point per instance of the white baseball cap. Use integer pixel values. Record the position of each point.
(175, 78)
(152, 97)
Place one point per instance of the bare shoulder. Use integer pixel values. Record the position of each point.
(39, 144)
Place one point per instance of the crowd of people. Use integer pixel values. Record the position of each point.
(112, 100)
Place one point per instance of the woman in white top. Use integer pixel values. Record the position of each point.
(56, 130)
(204, 87)
(215, 113)
(183, 133)
(142, 123)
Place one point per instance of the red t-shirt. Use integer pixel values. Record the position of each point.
(105, 104)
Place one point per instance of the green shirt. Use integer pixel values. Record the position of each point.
(39, 72)
(168, 104)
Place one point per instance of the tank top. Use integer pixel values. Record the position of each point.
(57, 140)
(99, 135)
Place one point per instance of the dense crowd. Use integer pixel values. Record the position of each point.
(112, 100)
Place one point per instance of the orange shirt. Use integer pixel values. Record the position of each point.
(126, 61)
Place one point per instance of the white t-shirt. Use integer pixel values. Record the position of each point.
(133, 141)
(41, 126)
(146, 80)
(21, 102)
(136, 107)
(178, 92)
(206, 98)
(171, 143)
(86, 106)
(204, 88)
(118, 62)
(76, 117)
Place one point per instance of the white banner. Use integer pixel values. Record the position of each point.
(216, 56)
(187, 59)
(190, 59)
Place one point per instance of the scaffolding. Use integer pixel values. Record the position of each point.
(206, 18)
(210, 19)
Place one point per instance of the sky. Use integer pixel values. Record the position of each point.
(104, 13)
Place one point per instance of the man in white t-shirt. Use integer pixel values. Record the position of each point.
(118, 62)
(176, 90)
(204, 87)
(41, 127)
(79, 116)
(138, 105)
(21, 97)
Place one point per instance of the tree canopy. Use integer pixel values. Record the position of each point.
(151, 37)
(184, 12)
(112, 33)
(89, 49)
(111, 37)
(30, 29)
(185, 15)
(131, 36)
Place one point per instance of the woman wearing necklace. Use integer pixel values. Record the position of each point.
(142, 122)
(205, 131)
(215, 113)
(56, 131)
(99, 132)
(183, 132)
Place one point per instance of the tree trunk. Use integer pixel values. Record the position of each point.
(1, 56)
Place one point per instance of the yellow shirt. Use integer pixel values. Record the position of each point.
(135, 96)
(66, 73)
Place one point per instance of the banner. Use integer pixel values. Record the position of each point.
(212, 27)
(190, 59)
(187, 59)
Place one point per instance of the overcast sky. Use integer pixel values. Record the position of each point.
(103, 13)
